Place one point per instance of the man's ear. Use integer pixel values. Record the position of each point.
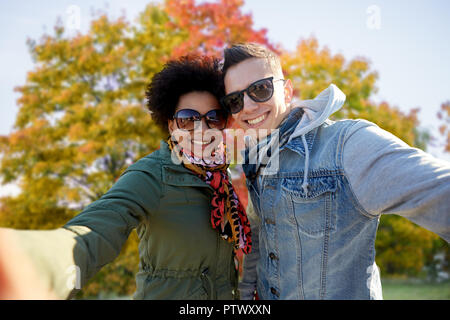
(288, 91)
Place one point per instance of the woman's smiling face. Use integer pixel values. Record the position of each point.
(201, 137)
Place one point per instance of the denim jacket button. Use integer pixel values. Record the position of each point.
(273, 256)
(269, 221)
(274, 291)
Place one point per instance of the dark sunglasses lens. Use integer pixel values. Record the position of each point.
(216, 119)
(233, 102)
(261, 91)
(186, 118)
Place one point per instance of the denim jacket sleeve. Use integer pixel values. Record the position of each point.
(247, 285)
(389, 177)
(92, 239)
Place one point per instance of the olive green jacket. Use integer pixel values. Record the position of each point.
(181, 256)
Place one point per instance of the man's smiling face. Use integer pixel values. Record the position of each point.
(259, 115)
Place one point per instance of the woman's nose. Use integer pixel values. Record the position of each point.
(199, 127)
(201, 124)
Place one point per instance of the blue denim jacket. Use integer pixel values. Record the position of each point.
(316, 245)
(316, 216)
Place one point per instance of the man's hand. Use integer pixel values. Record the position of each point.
(18, 279)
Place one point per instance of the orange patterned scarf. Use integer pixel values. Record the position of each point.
(228, 215)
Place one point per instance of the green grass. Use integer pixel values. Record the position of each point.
(415, 290)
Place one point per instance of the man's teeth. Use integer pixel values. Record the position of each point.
(257, 120)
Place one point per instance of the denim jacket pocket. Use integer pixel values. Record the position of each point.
(313, 211)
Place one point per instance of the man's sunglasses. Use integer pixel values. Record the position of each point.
(188, 119)
(258, 91)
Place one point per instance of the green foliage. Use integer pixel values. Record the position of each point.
(402, 247)
(312, 69)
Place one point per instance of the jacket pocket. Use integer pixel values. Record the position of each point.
(312, 211)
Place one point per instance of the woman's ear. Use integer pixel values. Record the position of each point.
(171, 125)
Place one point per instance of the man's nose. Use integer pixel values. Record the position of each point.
(249, 105)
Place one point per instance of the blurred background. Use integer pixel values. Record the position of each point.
(73, 76)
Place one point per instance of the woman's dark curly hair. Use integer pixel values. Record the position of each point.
(178, 77)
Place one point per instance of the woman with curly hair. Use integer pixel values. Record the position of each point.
(179, 198)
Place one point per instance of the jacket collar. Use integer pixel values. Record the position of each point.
(297, 145)
(176, 174)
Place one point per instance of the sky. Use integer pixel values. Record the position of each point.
(407, 42)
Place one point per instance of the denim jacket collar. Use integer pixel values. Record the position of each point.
(296, 144)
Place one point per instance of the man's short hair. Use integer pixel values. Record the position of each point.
(243, 51)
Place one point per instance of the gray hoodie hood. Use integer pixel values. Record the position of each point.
(316, 111)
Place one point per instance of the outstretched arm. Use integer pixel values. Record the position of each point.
(389, 177)
(66, 258)
(19, 280)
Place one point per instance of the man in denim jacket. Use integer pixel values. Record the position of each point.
(318, 211)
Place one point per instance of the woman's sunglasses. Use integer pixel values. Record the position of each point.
(188, 119)
(258, 91)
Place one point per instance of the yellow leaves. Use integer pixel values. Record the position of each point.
(4, 140)
(73, 195)
(31, 136)
(18, 137)
(76, 132)
(90, 147)
(313, 69)
(39, 167)
(86, 54)
(28, 99)
(62, 96)
(106, 31)
(444, 129)
(393, 120)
